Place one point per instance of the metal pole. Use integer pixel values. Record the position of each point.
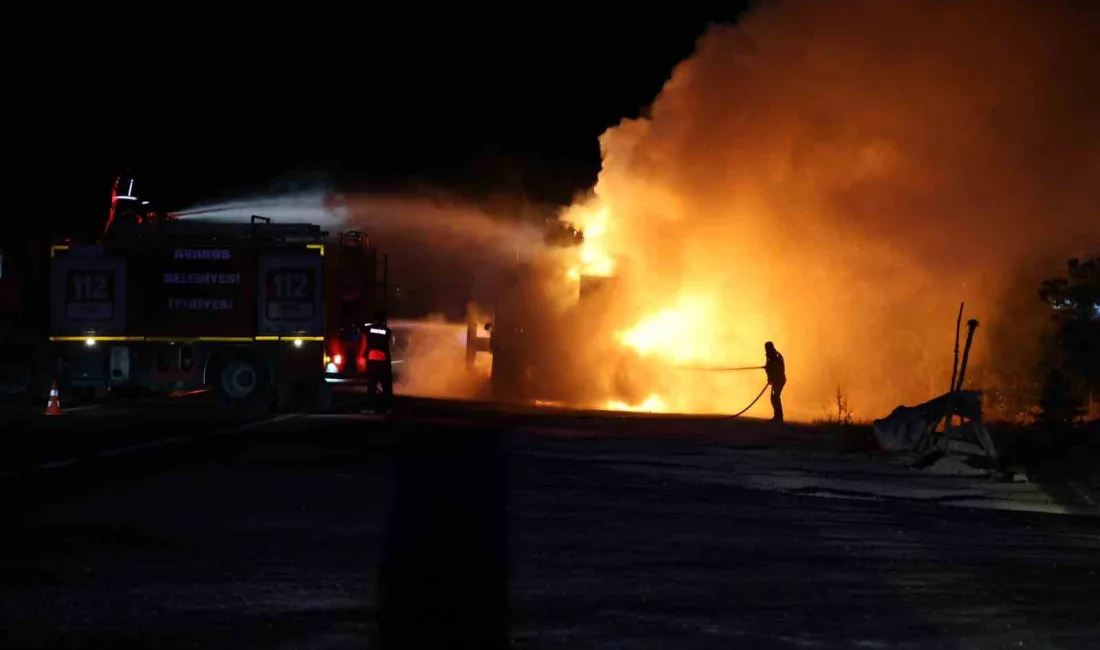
(386, 283)
(471, 335)
(971, 325)
(958, 327)
(949, 420)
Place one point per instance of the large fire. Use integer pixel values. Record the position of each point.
(686, 338)
(836, 178)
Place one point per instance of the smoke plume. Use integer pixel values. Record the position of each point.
(433, 361)
(441, 251)
(836, 177)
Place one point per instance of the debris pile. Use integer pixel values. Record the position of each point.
(948, 425)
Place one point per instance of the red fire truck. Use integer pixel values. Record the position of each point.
(258, 311)
(22, 319)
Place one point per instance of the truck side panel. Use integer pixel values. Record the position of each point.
(88, 296)
(194, 292)
(290, 296)
(173, 317)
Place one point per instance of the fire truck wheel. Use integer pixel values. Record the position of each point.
(15, 382)
(17, 378)
(241, 381)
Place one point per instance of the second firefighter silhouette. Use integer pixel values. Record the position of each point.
(776, 370)
(379, 368)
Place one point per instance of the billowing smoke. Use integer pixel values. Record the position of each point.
(431, 360)
(836, 177)
(441, 225)
(441, 251)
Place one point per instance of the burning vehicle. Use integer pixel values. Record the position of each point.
(552, 324)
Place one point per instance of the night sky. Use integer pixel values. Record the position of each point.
(511, 103)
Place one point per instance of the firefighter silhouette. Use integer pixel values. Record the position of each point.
(379, 368)
(776, 370)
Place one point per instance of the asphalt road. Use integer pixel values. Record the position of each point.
(455, 526)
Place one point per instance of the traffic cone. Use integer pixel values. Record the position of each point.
(53, 407)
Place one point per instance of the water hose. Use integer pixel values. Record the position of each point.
(724, 369)
(751, 404)
(717, 368)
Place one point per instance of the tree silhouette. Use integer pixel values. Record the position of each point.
(1075, 375)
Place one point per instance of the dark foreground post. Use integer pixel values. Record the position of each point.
(443, 582)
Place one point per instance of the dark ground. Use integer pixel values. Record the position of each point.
(449, 527)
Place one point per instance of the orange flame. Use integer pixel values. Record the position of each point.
(790, 184)
(652, 404)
